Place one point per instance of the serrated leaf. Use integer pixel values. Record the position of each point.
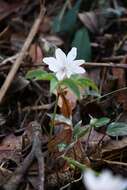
(40, 75)
(85, 82)
(35, 74)
(117, 129)
(102, 122)
(82, 42)
(61, 119)
(67, 22)
(71, 84)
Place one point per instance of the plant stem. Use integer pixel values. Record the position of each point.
(108, 94)
(54, 115)
(87, 141)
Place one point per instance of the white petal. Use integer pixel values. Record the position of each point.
(60, 75)
(103, 182)
(90, 180)
(49, 60)
(60, 56)
(79, 62)
(52, 63)
(69, 73)
(79, 70)
(72, 54)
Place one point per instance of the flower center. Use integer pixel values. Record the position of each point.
(64, 69)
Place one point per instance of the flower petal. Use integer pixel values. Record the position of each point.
(49, 60)
(60, 56)
(77, 69)
(69, 73)
(72, 54)
(79, 62)
(52, 63)
(60, 75)
(90, 180)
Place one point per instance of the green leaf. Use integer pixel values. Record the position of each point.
(102, 122)
(62, 147)
(82, 42)
(79, 131)
(117, 129)
(85, 82)
(35, 74)
(77, 164)
(40, 75)
(93, 93)
(53, 84)
(71, 84)
(61, 119)
(67, 21)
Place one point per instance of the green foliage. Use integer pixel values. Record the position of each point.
(72, 85)
(62, 147)
(53, 85)
(40, 75)
(66, 22)
(82, 42)
(75, 163)
(61, 119)
(117, 129)
(84, 82)
(43, 75)
(101, 122)
(79, 131)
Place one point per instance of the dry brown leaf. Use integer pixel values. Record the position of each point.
(89, 19)
(54, 40)
(63, 137)
(36, 54)
(121, 97)
(67, 102)
(11, 148)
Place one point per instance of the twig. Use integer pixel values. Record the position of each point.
(24, 49)
(38, 107)
(9, 59)
(36, 152)
(75, 181)
(89, 65)
(86, 65)
(108, 94)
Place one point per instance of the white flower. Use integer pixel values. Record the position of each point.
(64, 66)
(105, 181)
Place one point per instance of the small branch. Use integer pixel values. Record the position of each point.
(39, 107)
(86, 65)
(113, 65)
(19, 59)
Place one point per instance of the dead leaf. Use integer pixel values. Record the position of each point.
(11, 147)
(121, 97)
(63, 137)
(36, 54)
(89, 19)
(67, 102)
(54, 40)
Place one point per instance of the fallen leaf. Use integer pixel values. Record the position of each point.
(89, 19)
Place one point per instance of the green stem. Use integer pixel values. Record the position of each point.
(54, 115)
(108, 94)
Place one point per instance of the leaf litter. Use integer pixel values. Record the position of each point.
(29, 157)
